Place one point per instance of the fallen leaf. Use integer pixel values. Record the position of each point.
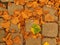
(46, 43)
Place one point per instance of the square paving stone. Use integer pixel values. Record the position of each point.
(51, 12)
(32, 41)
(2, 44)
(51, 41)
(50, 9)
(2, 35)
(59, 44)
(28, 25)
(13, 7)
(7, 0)
(1, 20)
(59, 31)
(59, 21)
(2, 9)
(59, 27)
(17, 34)
(15, 27)
(50, 29)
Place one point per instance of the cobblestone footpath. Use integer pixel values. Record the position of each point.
(50, 30)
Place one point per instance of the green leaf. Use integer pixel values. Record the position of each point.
(36, 28)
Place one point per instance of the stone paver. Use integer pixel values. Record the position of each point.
(33, 41)
(2, 44)
(49, 40)
(7, 0)
(50, 9)
(15, 27)
(2, 35)
(28, 23)
(50, 29)
(59, 31)
(17, 34)
(59, 44)
(51, 12)
(1, 20)
(59, 26)
(13, 7)
(59, 21)
(2, 9)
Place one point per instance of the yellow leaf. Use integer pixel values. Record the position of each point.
(46, 43)
(19, 26)
(32, 30)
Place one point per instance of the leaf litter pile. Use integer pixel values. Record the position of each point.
(33, 10)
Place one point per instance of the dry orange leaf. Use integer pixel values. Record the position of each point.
(34, 36)
(22, 2)
(49, 17)
(58, 41)
(14, 20)
(5, 24)
(28, 12)
(17, 40)
(6, 17)
(2, 5)
(35, 4)
(29, 4)
(39, 11)
(7, 29)
(17, 12)
(8, 39)
(36, 21)
(42, 22)
(8, 36)
(17, 2)
(19, 26)
(13, 30)
(9, 42)
(26, 36)
(44, 1)
(24, 15)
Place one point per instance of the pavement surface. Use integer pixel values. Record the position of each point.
(50, 30)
